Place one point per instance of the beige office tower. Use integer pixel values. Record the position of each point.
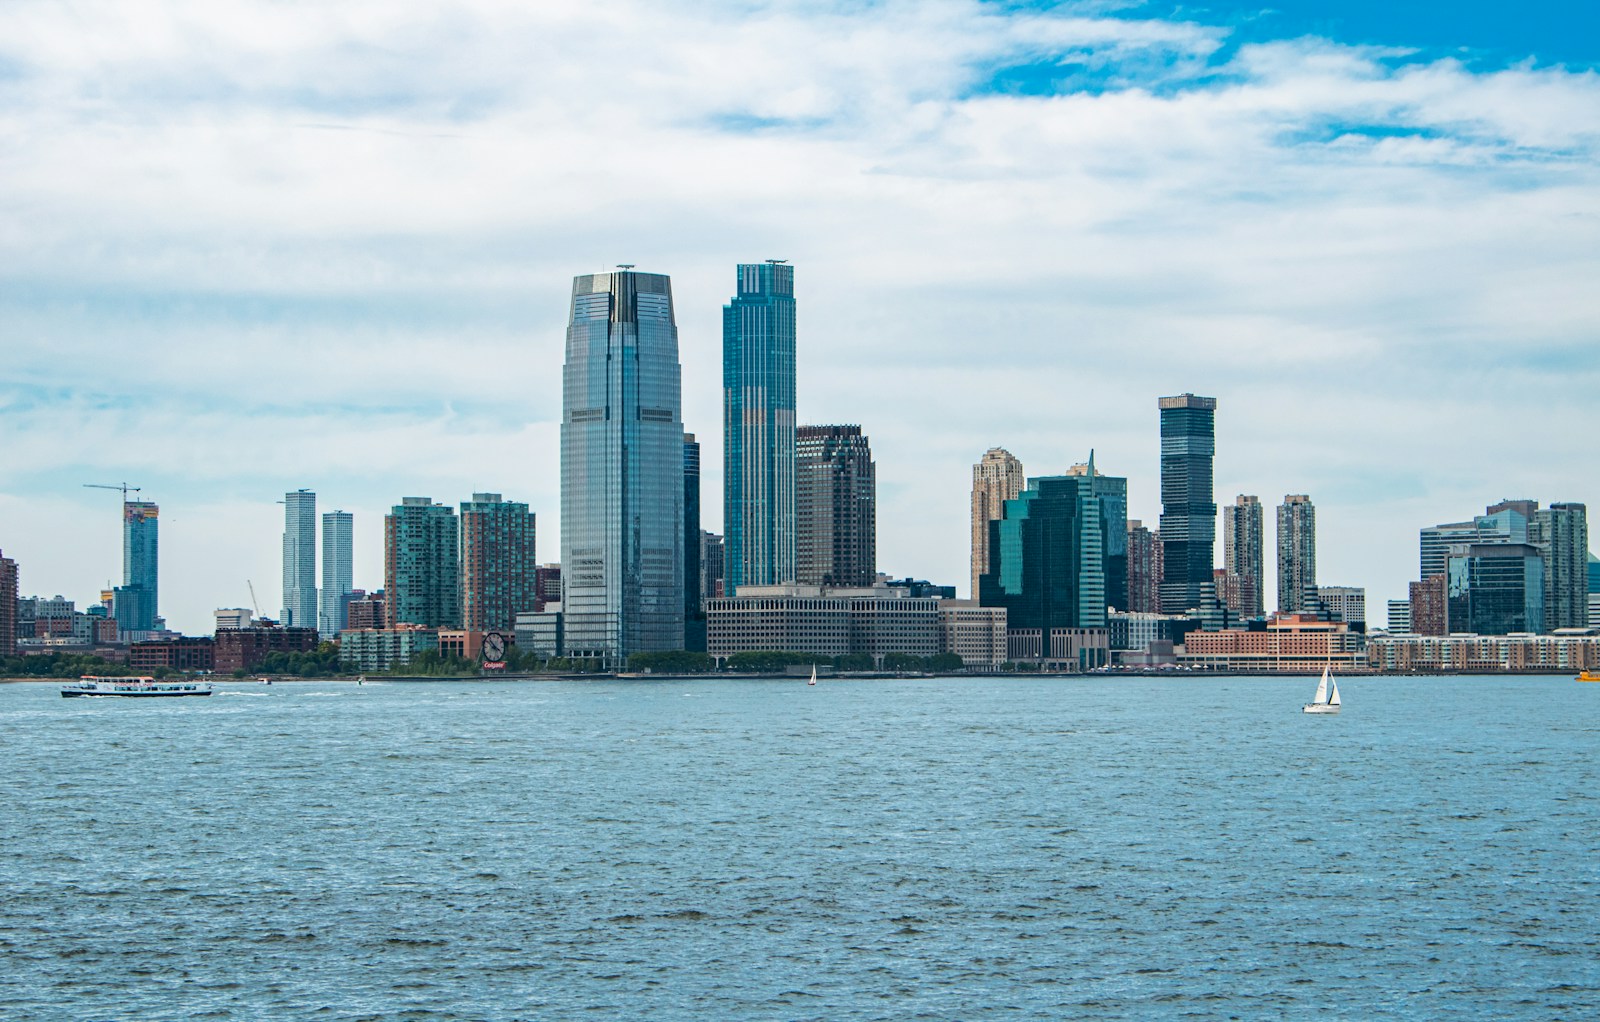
(995, 480)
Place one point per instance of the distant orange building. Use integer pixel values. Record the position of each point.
(1291, 643)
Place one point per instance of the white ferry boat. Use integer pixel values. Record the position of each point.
(92, 685)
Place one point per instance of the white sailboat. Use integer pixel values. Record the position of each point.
(1324, 701)
(813, 680)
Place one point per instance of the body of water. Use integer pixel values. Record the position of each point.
(1108, 848)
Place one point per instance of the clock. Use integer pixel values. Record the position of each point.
(494, 647)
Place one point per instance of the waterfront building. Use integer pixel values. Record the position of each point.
(1046, 556)
(379, 649)
(299, 559)
(364, 611)
(836, 507)
(1495, 588)
(758, 390)
(622, 469)
(1400, 617)
(243, 649)
(694, 619)
(975, 633)
(1111, 494)
(181, 653)
(498, 562)
(546, 585)
(1188, 513)
(1144, 569)
(1505, 522)
(135, 602)
(996, 478)
(338, 552)
(1454, 653)
(1561, 532)
(1242, 531)
(838, 621)
(232, 617)
(422, 564)
(8, 605)
(713, 564)
(1137, 630)
(1344, 603)
(1290, 643)
(1297, 551)
(1429, 606)
(467, 643)
(542, 632)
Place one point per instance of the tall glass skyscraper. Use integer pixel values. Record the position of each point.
(758, 418)
(337, 584)
(694, 617)
(135, 601)
(1047, 554)
(997, 478)
(622, 468)
(1188, 514)
(300, 559)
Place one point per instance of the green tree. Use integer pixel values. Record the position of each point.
(676, 661)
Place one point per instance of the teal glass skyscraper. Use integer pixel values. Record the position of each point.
(758, 419)
(622, 468)
(1188, 514)
(135, 601)
(1047, 561)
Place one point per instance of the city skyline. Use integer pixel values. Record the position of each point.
(1346, 222)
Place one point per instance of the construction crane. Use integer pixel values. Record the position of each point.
(124, 487)
(254, 603)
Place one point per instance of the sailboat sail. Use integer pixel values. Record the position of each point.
(1322, 688)
(1333, 700)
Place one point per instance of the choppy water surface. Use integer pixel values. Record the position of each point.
(934, 849)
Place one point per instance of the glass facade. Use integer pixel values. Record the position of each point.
(337, 576)
(1047, 554)
(622, 477)
(138, 595)
(758, 418)
(299, 560)
(1242, 539)
(1188, 513)
(1495, 588)
(422, 564)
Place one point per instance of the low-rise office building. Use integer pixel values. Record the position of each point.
(378, 649)
(243, 649)
(1290, 643)
(1523, 652)
(188, 653)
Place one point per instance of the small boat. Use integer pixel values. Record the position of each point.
(1324, 701)
(813, 680)
(138, 687)
(1588, 676)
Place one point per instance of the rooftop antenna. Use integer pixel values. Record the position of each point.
(625, 266)
(777, 262)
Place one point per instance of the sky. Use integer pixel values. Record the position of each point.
(251, 247)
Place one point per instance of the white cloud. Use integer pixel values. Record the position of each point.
(247, 247)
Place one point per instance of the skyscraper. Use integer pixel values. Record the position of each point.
(1188, 515)
(1242, 551)
(337, 577)
(712, 566)
(1046, 557)
(1561, 532)
(299, 559)
(8, 605)
(1495, 588)
(622, 468)
(758, 407)
(996, 478)
(1297, 551)
(1144, 569)
(836, 507)
(694, 618)
(135, 602)
(422, 564)
(497, 562)
(1112, 498)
